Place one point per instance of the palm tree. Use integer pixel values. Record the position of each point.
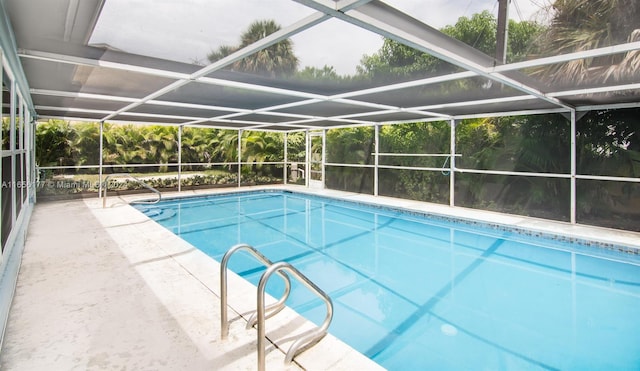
(227, 150)
(54, 143)
(160, 142)
(628, 66)
(223, 51)
(276, 60)
(122, 145)
(296, 147)
(86, 143)
(198, 144)
(262, 146)
(579, 25)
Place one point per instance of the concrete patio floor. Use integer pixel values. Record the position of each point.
(103, 289)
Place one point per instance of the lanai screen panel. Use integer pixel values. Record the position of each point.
(227, 96)
(193, 62)
(158, 107)
(600, 39)
(66, 77)
(87, 90)
(185, 31)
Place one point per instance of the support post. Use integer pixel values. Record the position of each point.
(285, 171)
(179, 158)
(26, 150)
(452, 164)
(573, 167)
(239, 157)
(376, 159)
(36, 174)
(31, 161)
(100, 159)
(308, 157)
(324, 156)
(1, 140)
(12, 147)
(502, 33)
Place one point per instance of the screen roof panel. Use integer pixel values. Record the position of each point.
(258, 118)
(327, 109)
(336, 65)
(184, 31)
(162, 108)
(441, 13)
(67, 77)
(587, 72)
(394, 116)
(70, 114)
(152, 119)
(575, 26)
(617, 97)
(76, 103)
(460, 90)
(227, 96)
(517, 104)
(119, 59)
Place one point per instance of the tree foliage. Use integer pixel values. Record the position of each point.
(396, 60)
(416, 138)
(579, 25)
(54, 143)
(326, 73)
(277, 60)
(61, 143)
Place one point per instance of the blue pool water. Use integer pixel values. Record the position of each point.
(414, 293)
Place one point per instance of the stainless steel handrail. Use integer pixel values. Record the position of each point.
(272, 309)
(147, 186)
(304, 342)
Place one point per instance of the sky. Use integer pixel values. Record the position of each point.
(187, 30)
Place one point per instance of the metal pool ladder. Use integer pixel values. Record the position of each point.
(263, 312)
(145, 185)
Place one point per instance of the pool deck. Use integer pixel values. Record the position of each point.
(107, 288)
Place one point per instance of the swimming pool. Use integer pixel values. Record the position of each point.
(415, 293)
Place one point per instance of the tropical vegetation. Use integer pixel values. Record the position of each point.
(209, 156)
